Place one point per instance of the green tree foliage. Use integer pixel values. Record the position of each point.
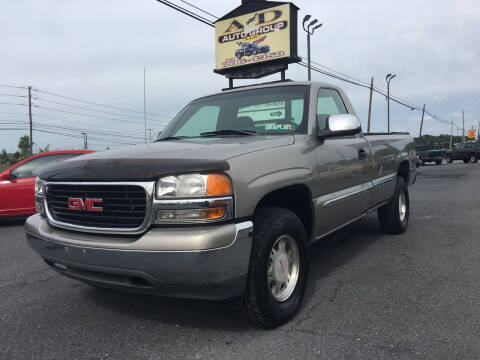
(45, 149)
(3, 156)
(24, 146)
(437, 142)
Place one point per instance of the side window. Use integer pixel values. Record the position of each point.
(329, 102)
(205, 119)
(29, 169)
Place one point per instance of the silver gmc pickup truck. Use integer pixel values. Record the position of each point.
(226, 201)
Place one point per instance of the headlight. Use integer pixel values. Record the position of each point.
(39, 196)
(193, 198)
(193, 185)
(38, 185)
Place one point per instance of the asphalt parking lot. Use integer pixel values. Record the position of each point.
(371, 296)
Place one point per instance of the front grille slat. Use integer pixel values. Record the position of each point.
(124, 206)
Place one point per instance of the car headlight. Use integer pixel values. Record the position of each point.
(193, 185)
(38, 186)
(193, 198)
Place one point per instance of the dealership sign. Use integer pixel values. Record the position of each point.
(266, 35)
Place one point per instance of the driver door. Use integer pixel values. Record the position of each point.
(343, 187)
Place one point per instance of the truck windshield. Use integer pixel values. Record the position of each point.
(274, 110)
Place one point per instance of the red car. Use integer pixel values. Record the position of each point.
(18, 181)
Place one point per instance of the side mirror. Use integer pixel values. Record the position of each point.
(4, 176)
(339, 125)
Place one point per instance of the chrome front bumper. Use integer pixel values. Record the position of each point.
(199, 262)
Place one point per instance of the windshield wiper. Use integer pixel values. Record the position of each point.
(172, 138)
(228, 132)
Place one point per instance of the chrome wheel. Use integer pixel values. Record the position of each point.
(283, 268)
(472, 158)
(402, 205)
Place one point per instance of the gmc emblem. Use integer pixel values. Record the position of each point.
(79, 204)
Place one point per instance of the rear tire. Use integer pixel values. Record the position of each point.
(448, 159)
(438, 162)
(466, 161)
(393, 217)
(473, 158)
(270, 299)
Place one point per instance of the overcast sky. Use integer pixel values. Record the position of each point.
(96, 50)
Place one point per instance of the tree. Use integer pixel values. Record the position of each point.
(45, 149)
(24, 146)
(4, 156)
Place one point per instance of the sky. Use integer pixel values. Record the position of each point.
(97, 50)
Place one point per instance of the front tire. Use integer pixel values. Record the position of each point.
(448, 159)
(393, 217)
(473, 158)
(438, 162)
(466, 161)
(278, 269)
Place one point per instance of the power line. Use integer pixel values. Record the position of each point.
(97, 104)
(12, 113)
(187, 12)
(13, 87)
(93, 116)
(76, 122)
(98, 132)
(71, 135)
(196, 7)
(11, 95)
(8, 103)
(90, 109)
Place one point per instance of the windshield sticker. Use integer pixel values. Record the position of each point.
(282, 127)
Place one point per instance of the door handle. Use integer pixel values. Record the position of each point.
(362, 154)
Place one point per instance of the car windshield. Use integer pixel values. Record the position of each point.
(273, 110)
(30, 168)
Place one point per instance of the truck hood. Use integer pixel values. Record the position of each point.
(149, 161)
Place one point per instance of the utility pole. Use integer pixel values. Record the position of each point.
(451, 135)
(421, 124)
(463, 126)
(144, 106)
(370, 105)
(85, 141)
(150, 134)
(30, 118)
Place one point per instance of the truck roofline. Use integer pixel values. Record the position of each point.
(287, 82)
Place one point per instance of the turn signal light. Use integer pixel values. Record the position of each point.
(214, 214)
(218, 184)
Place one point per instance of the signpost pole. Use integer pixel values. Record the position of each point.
(309, 59)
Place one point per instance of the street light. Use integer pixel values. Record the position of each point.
(309, 29)
(388, 78)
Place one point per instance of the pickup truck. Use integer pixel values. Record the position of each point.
(427, 155)
(464, 151)
(226, 201)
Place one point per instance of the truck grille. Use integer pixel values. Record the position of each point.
(123, 206)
